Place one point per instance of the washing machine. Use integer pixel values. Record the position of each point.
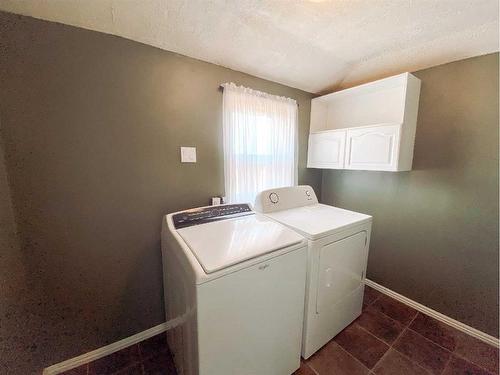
(234, 283)
(338, 242)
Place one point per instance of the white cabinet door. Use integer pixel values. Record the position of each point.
(326, 149)
(373, 148)
(342, 266)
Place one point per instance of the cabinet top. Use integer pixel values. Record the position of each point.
(354, 127)
(400, 80)
(389, 101)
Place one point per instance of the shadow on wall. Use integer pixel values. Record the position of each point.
(139, 279)
(437, 146)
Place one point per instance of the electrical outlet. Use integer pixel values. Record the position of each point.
(188, 154)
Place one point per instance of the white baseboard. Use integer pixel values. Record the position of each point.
(104, 351)
(436, 315)
(126, 342)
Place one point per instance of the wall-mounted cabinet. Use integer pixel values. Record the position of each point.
(368, 127)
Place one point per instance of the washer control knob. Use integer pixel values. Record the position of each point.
(273, 197)
(308, 193)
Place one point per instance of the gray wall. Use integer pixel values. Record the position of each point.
(435, 229)
(91, 129)
(12, 277)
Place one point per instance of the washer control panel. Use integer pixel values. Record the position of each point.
(204, 215)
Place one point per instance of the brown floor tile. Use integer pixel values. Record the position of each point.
(436, 331)
(394, 363)
(394, 309)
(370, 295)
(458, 366)
(160, 363)
(132, 370)
(380, 325)
(333, 360)
(153, 345)
(115, 362)
(304, 370)
(477, 352)
(80, 370)
(361, 345)
(458, 342)
(424, 352)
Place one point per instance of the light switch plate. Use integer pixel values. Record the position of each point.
(188, 154)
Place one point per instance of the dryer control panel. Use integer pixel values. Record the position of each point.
(279, 199)
(204, 215)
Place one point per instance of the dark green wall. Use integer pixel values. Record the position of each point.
(435, 229)
(91, 126)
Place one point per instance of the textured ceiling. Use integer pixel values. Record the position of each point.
(313, 45)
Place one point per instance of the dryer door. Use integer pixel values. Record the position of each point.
(342, 267)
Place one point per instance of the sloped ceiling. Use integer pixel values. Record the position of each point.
(313, 45)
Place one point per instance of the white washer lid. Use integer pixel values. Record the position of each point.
(223, 243)
(319, 220)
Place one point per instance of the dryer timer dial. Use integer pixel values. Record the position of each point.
(274, 198)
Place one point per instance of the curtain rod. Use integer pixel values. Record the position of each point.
(221, 88)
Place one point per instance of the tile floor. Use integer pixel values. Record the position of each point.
(389, 338)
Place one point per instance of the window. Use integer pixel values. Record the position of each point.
(260, 132)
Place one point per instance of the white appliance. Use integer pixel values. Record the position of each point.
(338, 242)
(236, 279)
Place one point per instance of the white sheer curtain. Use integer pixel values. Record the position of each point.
(260, 132)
